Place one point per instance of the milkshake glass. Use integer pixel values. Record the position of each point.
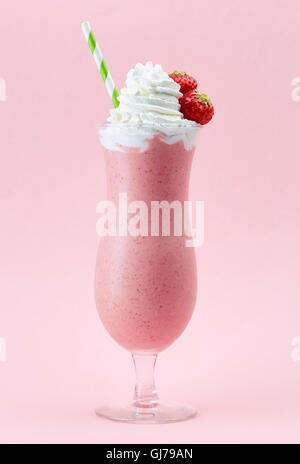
(146, 280)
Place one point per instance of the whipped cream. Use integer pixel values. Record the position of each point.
(149, 104)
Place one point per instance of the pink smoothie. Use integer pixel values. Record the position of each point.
(145, 287)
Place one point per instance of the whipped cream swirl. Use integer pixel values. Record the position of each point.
(148, 104)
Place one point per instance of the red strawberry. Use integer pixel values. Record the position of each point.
(197, 107)
(185, 81)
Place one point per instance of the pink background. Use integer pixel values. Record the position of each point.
(233, 362)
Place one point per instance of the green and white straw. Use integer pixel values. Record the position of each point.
(101, 65)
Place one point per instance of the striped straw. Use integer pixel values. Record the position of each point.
(101, 65)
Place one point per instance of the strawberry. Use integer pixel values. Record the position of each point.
(197, 107)
(185, 81)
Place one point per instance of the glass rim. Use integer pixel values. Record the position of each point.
(140, 125)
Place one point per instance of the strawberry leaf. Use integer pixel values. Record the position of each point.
(202, 97)
(181, 73)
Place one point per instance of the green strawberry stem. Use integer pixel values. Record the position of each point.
(181, 73)
(202, 97)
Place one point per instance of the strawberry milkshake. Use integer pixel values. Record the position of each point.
(145, 283)
(146, 286)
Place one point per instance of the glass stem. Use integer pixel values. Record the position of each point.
(145, 395)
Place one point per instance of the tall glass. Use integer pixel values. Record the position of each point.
(146, 277)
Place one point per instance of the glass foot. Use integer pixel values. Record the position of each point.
(160, 414)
